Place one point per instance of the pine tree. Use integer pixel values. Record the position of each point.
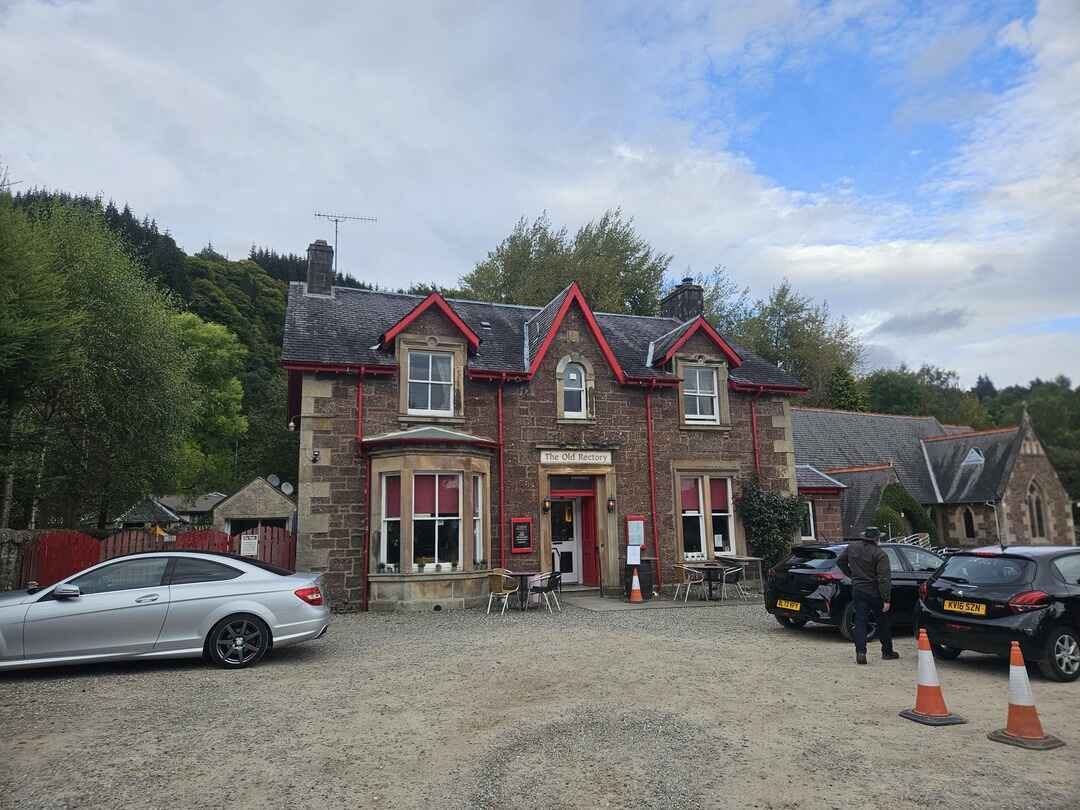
(845, 392)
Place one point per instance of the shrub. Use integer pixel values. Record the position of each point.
(896, 498)
(889, 521)
(770, 520)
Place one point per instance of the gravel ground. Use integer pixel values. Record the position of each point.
(714, 707)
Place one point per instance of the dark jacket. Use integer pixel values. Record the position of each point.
(869, 569)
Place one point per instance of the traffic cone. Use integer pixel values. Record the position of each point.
(1023, 727)
(635, 588)
(930, 706)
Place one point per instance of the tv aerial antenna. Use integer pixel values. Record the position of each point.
(337, 219)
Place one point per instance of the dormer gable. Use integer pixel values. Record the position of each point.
(664, 348)
(437, 302)
(541, 328)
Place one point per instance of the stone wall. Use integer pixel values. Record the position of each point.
(951, 524)
(257, 500)
(828, 516)
(12, 542)
(333, 511)
(1033, 465)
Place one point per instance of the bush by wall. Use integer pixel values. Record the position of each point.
(897, 499)
(770, 520)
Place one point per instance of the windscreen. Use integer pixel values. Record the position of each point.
(820, 558)
(997, 570)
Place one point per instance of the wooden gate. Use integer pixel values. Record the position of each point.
(276, 546)
(52, 556)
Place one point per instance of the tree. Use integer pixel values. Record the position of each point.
(727, 305)
(984, 388)
(845, 393)
(930, 391)
(615, 267)
(801, 337)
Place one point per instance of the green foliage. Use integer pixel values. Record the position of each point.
(727, 305)
(801, 337)
(845, 392)
(930, 391)
(771, 520)
(895, 497)
(615, 267)
(890, 522)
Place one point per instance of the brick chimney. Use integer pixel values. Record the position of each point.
(685, 302)
(320, 268)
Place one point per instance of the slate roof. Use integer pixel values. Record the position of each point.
(346, 328)
(811, 477)
(660, 346)
(430, 433)
(973, 483)
(862, 497)
(149, 510)
(188, 504)
(830, 439)
(539, 325)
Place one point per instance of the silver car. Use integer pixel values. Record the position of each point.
(175, 604)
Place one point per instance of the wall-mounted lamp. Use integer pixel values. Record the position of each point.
(546, 505)
(314, 456)
(292, 423)
(611, 504)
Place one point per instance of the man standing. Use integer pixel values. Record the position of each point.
(871, 588)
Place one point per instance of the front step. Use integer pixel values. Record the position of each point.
(580, 590)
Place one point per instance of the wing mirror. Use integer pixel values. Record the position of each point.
(66, 591)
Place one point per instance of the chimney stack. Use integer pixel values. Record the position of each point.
(685, 302)
(320, 268)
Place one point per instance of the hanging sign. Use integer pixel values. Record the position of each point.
(575, 457)
(249, 545)
(520, 535)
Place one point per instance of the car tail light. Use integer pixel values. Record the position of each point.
(829, 576)
(312, 595)
(923, 589)
(1028, 600)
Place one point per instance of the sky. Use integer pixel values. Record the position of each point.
(916, 165)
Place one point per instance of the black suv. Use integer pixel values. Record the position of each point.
(809, 586)
(984, 599)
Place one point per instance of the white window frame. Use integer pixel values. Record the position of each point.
(435, 517)
(812, 537)
(697, 393)
(386, 520)
(729, 513)
(478, 518)
(702, 555)
(410, 379)
(584, 412)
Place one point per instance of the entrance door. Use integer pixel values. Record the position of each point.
(566, 537)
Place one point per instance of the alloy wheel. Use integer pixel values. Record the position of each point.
(239, 642)
(1067, 654)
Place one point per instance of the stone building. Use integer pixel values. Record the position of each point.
(440, 438)
(256, 504)
(981, 487)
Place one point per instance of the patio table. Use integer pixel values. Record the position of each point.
(523, 578)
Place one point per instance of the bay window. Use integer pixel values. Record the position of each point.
(390, 540)
(436, 519)
(478, 521)
(431, 383)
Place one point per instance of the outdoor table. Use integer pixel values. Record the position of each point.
(523, 578)
(711, 571)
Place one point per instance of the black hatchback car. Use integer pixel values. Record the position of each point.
(982, 600)
(808, 586)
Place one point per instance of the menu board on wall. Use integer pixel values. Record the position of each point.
(520, 535)
(635, 530)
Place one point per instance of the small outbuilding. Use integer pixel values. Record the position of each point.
(255, 505)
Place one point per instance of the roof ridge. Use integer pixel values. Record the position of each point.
(859, 468)
(864, 413)
(969, 434)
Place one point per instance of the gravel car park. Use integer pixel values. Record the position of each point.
(712, 706)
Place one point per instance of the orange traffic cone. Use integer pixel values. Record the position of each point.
(930, 706)
(635, 588)
(1023, 727)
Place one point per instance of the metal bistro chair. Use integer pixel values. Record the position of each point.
(547, 585)
(690, 579)
(502, 585)
(734, 575)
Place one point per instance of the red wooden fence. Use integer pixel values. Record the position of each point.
(53, 556)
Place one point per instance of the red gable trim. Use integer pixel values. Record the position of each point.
(755, 388)
(819, 490)
(433, 300)
(948, 436)
(700, 324)
(574, 295)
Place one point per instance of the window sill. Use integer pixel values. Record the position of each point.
(705, 426)
(564, 420)
(412, 418)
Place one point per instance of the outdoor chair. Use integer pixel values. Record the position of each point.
(733, 575)
(690, 579)
(547, 585)
(502, 585)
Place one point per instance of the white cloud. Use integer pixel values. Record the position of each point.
(234, 122)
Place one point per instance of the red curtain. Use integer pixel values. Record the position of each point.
(448, 496)
(690, 500)
(393, 496)
(718, 492)
(423, 494)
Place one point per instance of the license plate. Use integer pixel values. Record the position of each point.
(787, 604)
(970, 608)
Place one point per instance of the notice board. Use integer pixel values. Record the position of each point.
(520, 535)
(635, 530)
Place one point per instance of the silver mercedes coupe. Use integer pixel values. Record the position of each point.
(229, 609)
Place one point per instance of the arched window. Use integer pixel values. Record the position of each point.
(574, 391)
(1035, 511)
(969, 524)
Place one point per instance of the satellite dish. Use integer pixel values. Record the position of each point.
(287, 488)
(273, 480)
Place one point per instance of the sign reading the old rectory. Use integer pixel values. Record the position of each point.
(575, 457)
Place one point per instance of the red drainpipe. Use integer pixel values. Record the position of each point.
(502, 477)
(753, 428)
(652, 480)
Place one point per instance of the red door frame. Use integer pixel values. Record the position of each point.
(590, 557)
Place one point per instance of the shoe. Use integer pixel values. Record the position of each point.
(860, 658)
(890, 656)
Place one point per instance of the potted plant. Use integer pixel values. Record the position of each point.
(453, 566)
(380, 568)
(438, 568)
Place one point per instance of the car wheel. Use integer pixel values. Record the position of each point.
(847, 624)
(945, 652)
(1061, 655)
(793, 624)
(238, 641)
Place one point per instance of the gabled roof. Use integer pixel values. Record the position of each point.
(664, 347)
(255, 483)
(149, 510)
(436, 301)
(191, 503)
(973, 482)
(542, 328)
(830, 439)
(346, 331)
(808, 477)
